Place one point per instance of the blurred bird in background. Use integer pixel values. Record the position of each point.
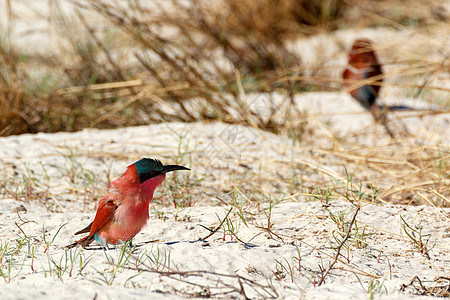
(363, 75)
(363, 78)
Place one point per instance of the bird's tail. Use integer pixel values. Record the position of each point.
(396, 108)
(435, 110)
(83, 242)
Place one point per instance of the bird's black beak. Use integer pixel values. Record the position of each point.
(171, 168)
(149, 168)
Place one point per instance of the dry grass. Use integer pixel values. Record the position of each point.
(398, 173)
(163, 56)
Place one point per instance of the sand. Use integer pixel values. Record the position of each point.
(282, 263)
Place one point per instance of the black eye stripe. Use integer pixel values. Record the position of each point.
(149, 168)
(148, 175)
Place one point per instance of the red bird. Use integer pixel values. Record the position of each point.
(123, 211)
(363, 74)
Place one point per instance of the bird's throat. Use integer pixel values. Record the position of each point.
(149, 186)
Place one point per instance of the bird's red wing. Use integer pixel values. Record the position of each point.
(87, 229)
(104, 213)
(348, 75)
(375, 70)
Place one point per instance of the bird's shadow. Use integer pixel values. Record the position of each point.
(205, 243)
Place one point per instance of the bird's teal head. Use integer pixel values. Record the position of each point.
(148, 168)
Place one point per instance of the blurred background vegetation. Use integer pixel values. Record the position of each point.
(115, 64)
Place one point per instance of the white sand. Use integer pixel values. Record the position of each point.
(302, 228)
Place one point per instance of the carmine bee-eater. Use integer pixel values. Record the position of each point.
(363, 65)
(363, 77)
(123, 211)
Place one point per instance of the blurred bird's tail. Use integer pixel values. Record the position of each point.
(396, 108)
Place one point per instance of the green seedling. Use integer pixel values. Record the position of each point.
(420, 241)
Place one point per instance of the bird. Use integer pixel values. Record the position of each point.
(363, 65)
(363, 77)
(124, 210)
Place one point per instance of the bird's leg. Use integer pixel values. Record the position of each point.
(127, 244)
